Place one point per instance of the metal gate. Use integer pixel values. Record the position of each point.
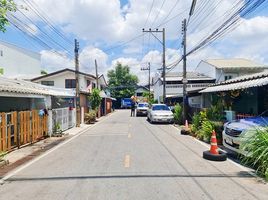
(64, 118)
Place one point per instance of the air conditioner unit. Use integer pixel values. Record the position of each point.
(229, 115)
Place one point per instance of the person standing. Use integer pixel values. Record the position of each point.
(133, 106)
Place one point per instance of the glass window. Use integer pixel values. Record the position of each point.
(70, 83)
(160, 107)
(48, 83)
(143, 105)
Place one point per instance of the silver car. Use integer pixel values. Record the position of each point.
(160, 113)
(142, 109)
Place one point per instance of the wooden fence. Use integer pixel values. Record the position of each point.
(20, 128)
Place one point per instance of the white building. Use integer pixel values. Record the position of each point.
(66, 79)
(17, 62)
(174, 85)
(225, 69)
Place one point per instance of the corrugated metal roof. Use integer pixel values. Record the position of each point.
(26, 87)
(234, 63)
(242, 82)
(237, 86)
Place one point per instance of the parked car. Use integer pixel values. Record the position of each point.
(160, 113)
(235, 130)
(142, 109)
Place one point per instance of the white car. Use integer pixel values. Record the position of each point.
(234, 131)
(160, 113)
(142, 109)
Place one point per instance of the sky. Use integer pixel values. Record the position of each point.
(111, 32)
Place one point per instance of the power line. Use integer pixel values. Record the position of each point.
(157, 15)
(152, 5)
(34, 7)
(169, 13)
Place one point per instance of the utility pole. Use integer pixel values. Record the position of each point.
(184, 79)
(163, 42)
(76, 49)
(97, 75)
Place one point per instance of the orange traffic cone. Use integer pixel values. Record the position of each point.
(213, 144)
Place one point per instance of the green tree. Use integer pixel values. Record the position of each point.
(95, 99)
(5, 7)
(149, 96)
(121, 82)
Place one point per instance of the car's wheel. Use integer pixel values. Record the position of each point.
(209, 156)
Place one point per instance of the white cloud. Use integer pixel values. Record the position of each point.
(87, 59)
(51, 61)
(105, 23)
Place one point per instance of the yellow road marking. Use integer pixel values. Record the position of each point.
(129, 135)
(127, 161)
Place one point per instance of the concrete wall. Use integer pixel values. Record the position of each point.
(17, 61)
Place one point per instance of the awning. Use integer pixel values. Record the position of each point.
(237, 86)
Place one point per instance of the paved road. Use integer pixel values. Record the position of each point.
(125, 157)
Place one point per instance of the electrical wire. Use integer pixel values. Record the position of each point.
(152, 5)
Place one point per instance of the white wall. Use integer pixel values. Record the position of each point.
(18, 62)
(59, 80)
(206, 69)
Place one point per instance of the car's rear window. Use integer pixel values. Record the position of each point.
(160, 107)
(143, 105)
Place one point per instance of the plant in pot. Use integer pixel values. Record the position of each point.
(57, 130)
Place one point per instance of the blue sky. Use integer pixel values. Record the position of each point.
(100, 25)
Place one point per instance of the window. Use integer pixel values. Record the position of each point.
(48, 83)
(88, 82)
(70, 83)
(93, 85)
(227, 77)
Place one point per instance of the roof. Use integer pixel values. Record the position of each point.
(177, 76)
(61, 71)
(235, 63)
(242, 82)
(26, 87)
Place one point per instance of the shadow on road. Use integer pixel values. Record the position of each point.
(241, 174)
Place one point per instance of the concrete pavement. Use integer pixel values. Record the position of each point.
(125, 157)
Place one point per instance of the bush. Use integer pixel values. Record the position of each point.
(177, 114)
(202, 126)
(95, 99)
(206, 131)
(90, 117)
(215, 112)
(196, 122)
(255, 144)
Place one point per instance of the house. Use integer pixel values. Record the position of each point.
(174, 85)
(245, 95)
(17, 62)
(24, 96)
(65, 78)
(225, 69)
(140, 90)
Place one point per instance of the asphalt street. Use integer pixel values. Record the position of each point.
(124, 157)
